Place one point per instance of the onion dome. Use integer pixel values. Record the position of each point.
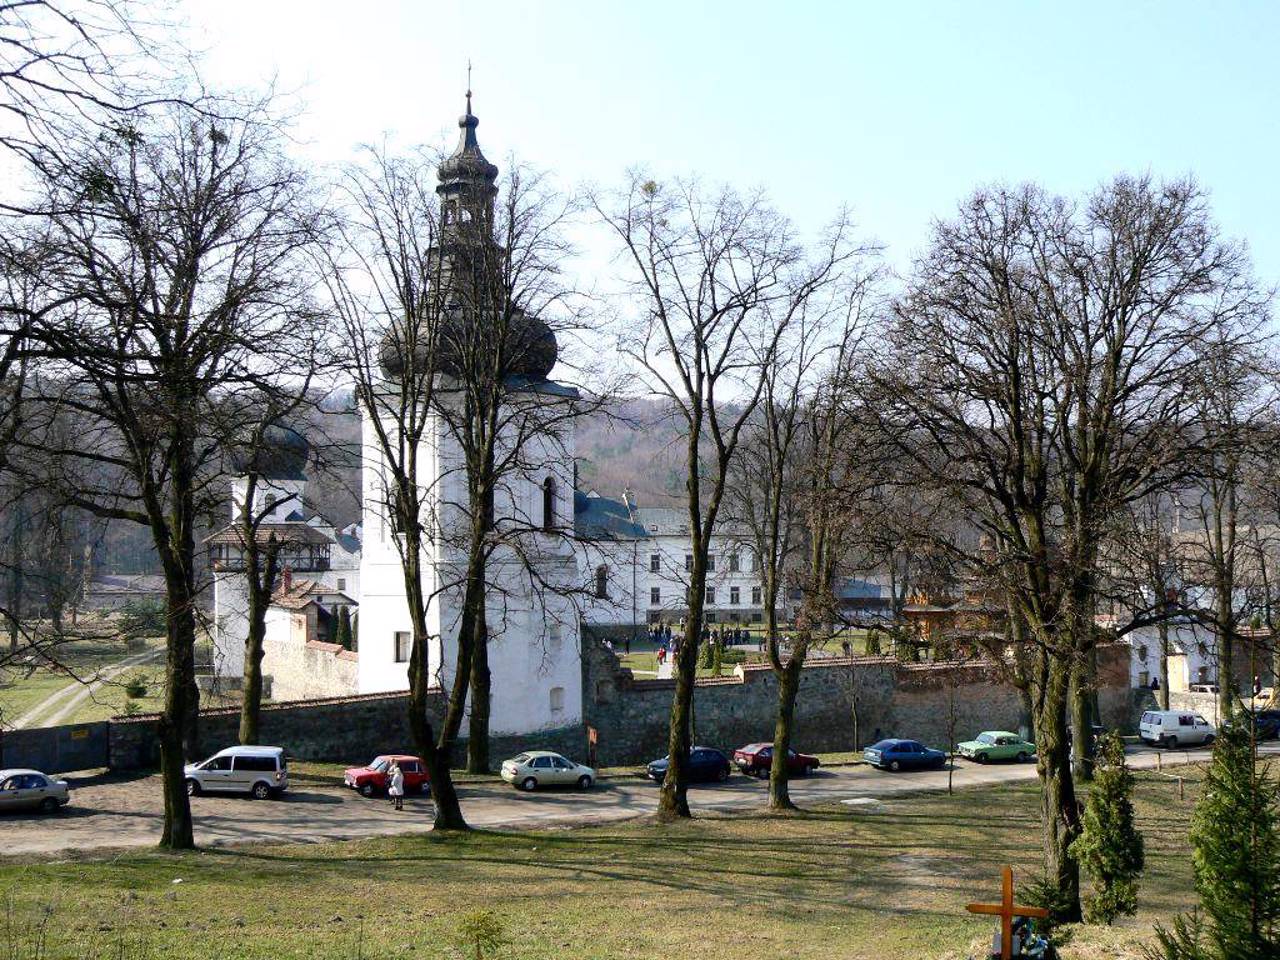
(467, 190)
(282, 455)
(530, 347)
(468, 163)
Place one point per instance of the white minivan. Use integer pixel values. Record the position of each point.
(1175, 728)
(261, 772)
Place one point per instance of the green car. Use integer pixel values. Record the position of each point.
(997, 745)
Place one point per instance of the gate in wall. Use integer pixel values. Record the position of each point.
(74, 746)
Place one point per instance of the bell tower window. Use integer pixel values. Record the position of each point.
(549, 504)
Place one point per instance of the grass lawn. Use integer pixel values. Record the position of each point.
(24, 685)
(832, 883)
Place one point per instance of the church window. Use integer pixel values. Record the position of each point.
(655, 596)
(549, 504)
(1142, 653)
(403, 646)
(602, 582)
(557, 699)
(655, 563)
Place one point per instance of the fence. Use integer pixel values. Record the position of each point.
(80, 746)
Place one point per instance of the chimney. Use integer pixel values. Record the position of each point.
(286, 580)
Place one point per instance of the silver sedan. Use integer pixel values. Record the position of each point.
(32, 790)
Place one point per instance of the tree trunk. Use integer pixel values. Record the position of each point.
(1081, 700)
(260, 590)
(481, 677)
(788, 688)
(1162, 665)
(1227, 688)
(435, 750)
(478, 726)
(673, 800)
(1059, 812)
(178, 833)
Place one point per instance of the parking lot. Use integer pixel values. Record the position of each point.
(112, 812)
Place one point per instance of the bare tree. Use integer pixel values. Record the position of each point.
(717, 278)
(387, 276)
(510, 425)
(803, 466)
(172, 245)
(1232, 404)
(1053, 393)
(1142, 576)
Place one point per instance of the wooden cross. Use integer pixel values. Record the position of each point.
(1006, 910)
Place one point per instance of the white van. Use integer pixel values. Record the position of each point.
(1175, 728)
(261, 772)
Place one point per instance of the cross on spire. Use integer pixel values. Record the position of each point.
(468, 87)
(1006, 910)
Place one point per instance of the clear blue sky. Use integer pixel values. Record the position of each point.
(897, 109)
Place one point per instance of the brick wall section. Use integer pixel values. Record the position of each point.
(631, 716)
(301, 671)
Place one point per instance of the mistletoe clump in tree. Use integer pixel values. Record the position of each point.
(1110, 847)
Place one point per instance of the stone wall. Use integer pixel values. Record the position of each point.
(337, 729)
(631, 716)
(893, 699)
(302, 670)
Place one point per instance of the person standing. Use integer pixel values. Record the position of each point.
(396, 788)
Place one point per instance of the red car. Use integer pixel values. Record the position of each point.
(374, 778)
(755, 759)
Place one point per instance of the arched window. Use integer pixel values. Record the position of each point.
(602, 582)
(549, 504)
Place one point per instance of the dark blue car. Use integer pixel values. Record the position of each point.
(898, 755)
(705, 763)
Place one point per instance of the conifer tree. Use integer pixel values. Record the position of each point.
(344, 628)
(1109, 847)
(1235, 837)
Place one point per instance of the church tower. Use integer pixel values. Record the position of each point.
(481, 329)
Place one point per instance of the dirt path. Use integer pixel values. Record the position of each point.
(62, 704)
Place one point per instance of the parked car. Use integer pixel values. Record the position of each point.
(32, 790)
(705, 763)
(542, 768)
(755, 759)
(898, 755)
(1175, 728)
(1267, 724)
(996, 745)
(261, 772)
(375, 778)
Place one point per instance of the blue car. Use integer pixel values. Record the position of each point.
(898, 755)
(705, 763)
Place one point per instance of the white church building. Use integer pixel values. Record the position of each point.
(578, 559)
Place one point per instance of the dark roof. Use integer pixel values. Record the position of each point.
(292, 533)
(129, 583)
(600, 518)
(860, 590)
(347, 542)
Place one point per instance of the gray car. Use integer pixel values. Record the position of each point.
(32, 790)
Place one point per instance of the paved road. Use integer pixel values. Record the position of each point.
(115, 813)
(61, 704)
